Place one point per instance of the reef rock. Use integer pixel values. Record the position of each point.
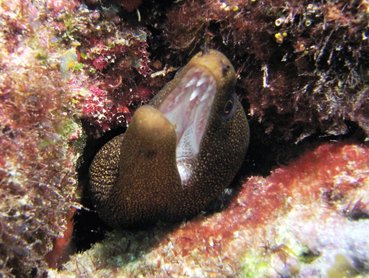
(309, 218)
(302, 64)
(37, 131)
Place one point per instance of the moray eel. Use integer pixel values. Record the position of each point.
(178, 153)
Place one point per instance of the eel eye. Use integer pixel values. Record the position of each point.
(229, 107)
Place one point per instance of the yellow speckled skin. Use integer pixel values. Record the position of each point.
(134, 178)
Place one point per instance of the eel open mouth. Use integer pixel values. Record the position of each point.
(188, 107)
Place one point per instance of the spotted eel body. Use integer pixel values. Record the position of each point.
(178, 153)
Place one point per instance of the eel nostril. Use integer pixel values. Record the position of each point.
(225, 69)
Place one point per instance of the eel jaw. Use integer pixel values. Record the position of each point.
(188, 107)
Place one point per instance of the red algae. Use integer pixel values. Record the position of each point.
(283, 223)
(37, 165)
(130, 5)
(297, 73)
(115, 56)
(308, 179)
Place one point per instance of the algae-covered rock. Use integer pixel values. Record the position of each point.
(309, 218)
(37, 165)
(302, 65)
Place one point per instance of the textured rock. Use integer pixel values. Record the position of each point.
(37, 165)
(51, 79)
(302, 65)
(309, 218)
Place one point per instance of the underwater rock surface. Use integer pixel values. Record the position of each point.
(300, 62)
(37, 131)
(309, 218)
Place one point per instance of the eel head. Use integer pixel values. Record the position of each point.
(178, 153)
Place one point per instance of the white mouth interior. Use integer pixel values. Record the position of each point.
(188, 108)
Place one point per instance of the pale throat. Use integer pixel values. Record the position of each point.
(188, 107)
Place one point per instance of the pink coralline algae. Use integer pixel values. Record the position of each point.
(118, 68)
(37, 156)
(309, 218)
(100, 111)
(116, 59)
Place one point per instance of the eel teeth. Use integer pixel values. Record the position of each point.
(194, 94)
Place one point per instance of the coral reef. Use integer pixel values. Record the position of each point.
(308, 219)
(75, 71)
(64, 66)
(121, 63)
(37, 159)
(302, 65)
(115, 56)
